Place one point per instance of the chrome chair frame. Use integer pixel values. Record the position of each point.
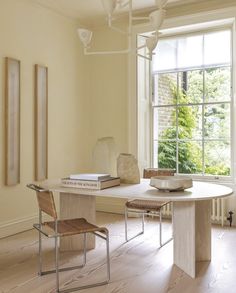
(149, 213)
(56, 235)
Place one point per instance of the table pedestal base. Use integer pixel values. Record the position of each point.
(77, 206)
(192, 234)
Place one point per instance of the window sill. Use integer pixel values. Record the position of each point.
(212, 179)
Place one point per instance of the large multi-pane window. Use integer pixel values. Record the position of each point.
(192, 104)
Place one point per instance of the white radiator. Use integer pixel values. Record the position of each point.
(217, 211)
(166, 211)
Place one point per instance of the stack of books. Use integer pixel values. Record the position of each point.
(90, 181)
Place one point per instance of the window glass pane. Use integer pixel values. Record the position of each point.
(217, 121)
(193, 51)
(192, 84)
(164, 123)
(190, 157)
(164, 88)
(187, 48)
(167, 155)
(165, 55)
(217, 158)
(189, 122)
(217, 48)
(217, 84)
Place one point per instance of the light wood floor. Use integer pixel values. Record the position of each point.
(137, 266)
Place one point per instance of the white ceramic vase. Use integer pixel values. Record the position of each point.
(127, 169)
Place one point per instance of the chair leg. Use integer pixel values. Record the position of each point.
(126, 219)
(56, 264)
(42, 273)
(142, 223)
(126, 224)
(108, 258)
(40, 255)
(85, 249)
(108, 270)
(57, 269)
(160, 231)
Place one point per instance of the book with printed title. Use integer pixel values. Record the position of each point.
(91, 184)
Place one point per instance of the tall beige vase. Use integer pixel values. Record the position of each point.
(127, 169)
(104, 156)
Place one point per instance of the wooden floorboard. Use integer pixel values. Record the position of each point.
(137, 266)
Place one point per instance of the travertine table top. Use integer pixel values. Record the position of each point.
(199, 191)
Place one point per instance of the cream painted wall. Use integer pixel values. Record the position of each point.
(109, 89)
(199, 7)
(109, 99)
(33, 35)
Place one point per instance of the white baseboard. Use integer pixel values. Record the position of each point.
(17, 225)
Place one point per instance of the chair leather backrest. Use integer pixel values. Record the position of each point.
(46, 203)
(45, 200)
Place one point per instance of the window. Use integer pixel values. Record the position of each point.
(192, 104)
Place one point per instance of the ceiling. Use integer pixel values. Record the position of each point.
(89, 10)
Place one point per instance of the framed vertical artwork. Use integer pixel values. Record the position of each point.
(41, 122)
(12, 118)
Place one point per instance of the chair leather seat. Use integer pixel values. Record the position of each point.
(74, 226)
(146, 205)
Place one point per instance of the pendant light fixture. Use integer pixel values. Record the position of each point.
(155, 19)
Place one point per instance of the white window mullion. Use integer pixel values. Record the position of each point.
(232, 109)
(203, 125)
(203, 107)
(177, 128)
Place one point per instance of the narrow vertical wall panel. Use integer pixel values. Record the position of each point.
(12, 118)
(41, 122)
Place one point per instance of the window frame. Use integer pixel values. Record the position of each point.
(232, 138)
(185, 23)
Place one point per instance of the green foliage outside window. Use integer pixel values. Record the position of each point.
(215, 121)
(189, 153)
